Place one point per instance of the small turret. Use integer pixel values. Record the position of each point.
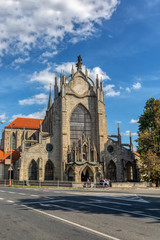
(72, 71)
(101, 84)
(119, 135)
(131, 145)
(86, 73)
(50, 99)
(97, 81)
(56, 87)
(63, 78)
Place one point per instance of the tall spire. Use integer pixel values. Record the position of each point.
(79, 63)
(131, 145)
(72, 71)
(101, 84)
(50, 99)
(97, 81)
(119, 135)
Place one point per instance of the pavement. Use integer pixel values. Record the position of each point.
(41, 213)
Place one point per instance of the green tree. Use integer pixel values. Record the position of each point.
(149, 141)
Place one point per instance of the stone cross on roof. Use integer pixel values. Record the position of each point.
(79, 64)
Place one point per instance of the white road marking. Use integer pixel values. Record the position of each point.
(21, 193)
(128, 197)
(46, 201)
(1, 198)
(10, 201)
(118, 203)
(12, 192)
(72, 223)
(66, 208)
(2, 191)
(56, 205)
(33, 195)
(133, 199)
(115, 209)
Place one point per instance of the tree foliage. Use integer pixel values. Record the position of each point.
(149, 140)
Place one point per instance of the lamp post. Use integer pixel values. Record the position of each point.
(10, 168)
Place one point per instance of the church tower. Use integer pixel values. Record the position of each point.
(79, 125)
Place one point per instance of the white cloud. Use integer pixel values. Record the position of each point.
(119, 122)
(38, 115)
(133, 121)
(136, 86)
(45, 77)
(37, 99)
(3, 116)
(19, 60)
(127, 133)
(67, 66)
(110, 92)
(49, 54)
(45, 23)
(128, 89)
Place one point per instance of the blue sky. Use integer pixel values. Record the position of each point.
(119, 40)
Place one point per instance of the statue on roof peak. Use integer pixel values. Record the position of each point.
(79, 63)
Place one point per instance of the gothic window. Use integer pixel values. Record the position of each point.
(33, 137)
(85, 152)
(80, 122)
(33, 170)
(13, 141)
(112, 171)
(129, 172)
(49, 170)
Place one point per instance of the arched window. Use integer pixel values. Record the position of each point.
(80, 122)
(33, 137)
(112, 171)
(49, 170)
(33, 170)
(129, 172)
(13, 141)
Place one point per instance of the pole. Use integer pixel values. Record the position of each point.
(10, 180)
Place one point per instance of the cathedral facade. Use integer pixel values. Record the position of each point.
(71, 142)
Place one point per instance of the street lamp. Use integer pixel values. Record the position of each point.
(10, 168)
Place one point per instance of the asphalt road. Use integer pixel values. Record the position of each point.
(56, 214)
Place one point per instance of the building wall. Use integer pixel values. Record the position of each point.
(56, 131)
(19, 133)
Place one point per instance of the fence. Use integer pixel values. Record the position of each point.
(58, 184)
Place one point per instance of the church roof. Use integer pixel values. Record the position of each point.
(27, 123)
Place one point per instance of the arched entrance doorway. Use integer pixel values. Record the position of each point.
(49, 170)
(112, 171)
(86, 173)
(129, 171)
(33, 171)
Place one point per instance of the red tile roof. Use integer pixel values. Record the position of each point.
(27, 123)
(6, 155)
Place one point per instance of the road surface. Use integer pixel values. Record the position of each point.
(38, 213)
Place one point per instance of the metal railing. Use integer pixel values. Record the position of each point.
(56, 183)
